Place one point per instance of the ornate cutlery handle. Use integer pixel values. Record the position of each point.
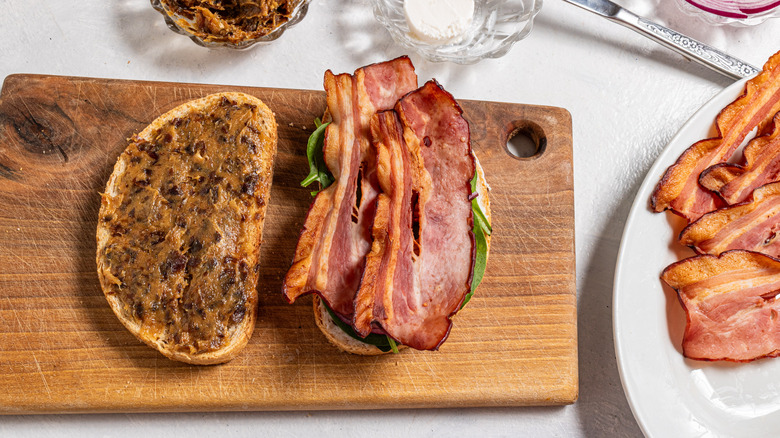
(688, 47)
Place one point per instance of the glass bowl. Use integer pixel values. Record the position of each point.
(496, 26)
(183, 25)
(732, 14)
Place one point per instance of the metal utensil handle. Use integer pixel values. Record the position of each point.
(688, 47)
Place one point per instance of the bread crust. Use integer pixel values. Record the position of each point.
(346, 343)
(337, 336)
(236, 335)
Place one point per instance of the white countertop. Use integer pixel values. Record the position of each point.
(627, 96)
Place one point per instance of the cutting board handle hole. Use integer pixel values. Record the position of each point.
(525, 140)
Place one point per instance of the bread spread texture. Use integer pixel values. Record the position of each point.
(180, 226)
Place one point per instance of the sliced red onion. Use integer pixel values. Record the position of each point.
(735, 9)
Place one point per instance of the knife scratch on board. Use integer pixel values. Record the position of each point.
(308, 100)
(411, 377)
(23, 262)
(428, 364)
(152, 93)
(314, 372)
(11, 306)
(98, 93)
(43, 377)
(154, 388)
(533, 316)
(220, 385)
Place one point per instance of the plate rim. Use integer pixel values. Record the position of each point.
(673, 148)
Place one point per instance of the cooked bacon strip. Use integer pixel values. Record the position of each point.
(679, 189)
(761, 165)
(336, 236)
(730, 303)
(750, 225)
(394, 241)
(413, 285)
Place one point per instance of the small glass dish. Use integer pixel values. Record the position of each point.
(736, 12)
(496, 26)
(182, 25)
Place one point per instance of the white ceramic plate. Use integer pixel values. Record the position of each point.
(672, 396)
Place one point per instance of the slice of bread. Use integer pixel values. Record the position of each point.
(347, 343)
(339, 337)
(180, 227)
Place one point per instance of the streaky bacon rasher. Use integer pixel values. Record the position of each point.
(419, 269)
(679, 189)
(752, 225)
(734, 183)
(730, 305)
(336, 235)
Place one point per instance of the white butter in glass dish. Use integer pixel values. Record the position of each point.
(494, 27)
(438, 21)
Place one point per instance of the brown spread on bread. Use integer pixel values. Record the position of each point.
(181, 224)
(231, 21)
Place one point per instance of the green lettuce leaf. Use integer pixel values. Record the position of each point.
(383, 342)
(481, 230)
(318, 171)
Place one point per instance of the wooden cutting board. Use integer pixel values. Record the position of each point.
(63, 350)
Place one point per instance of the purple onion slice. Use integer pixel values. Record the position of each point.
(736, 9)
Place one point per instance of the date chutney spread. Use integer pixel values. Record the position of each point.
(180, 227)
(230, 21)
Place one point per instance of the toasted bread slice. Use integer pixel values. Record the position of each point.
(347, 343)
(180, 227)
(339, 337)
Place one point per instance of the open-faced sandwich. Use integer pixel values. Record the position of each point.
(180, 226)
(396, 241)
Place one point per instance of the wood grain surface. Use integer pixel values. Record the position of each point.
(63, 350)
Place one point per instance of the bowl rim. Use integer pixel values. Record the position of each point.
(439, 53)
(298, 14)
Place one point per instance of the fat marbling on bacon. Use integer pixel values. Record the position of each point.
(679, 188)
(760, 165)
(752, 225)
(336, 235)
(419, 269)
(730, 303)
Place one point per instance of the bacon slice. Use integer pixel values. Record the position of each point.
(730, 303)
(761, 165)
(336, 235)
(679, 189)
(413, 284)
(394, 240)
(750, 225)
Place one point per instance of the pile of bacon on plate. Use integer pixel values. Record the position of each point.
(729, 291)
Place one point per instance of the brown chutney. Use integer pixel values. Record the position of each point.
(230, 21)
(183, 216)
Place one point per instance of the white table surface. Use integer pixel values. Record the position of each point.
(627, 97)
